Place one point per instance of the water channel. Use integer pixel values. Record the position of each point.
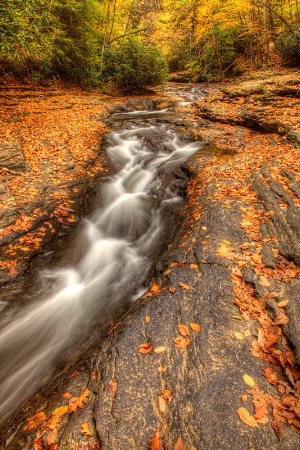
(112, 253)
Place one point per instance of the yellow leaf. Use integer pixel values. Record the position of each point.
(184, 287)
(282, 303)
(195, 327)
(226, 242)
(244, 398)
(194, 266)
(85, 429)
(238, 335)
(245, 417)
(159, 349)
(147, 319)
(247, 333)
(161, 369)
(249, 380)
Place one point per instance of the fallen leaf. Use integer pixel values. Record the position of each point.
(73, 374)
(263, 420)
(167, 394)
(54, 420)
(183, 330)
(184, 287)
(249, 380)
(145, 348)
(194, 266)
(244, 397)
(85, 429)
(154, 288)
(159, 349)
(95, 374)
(157, 443)
(38, 445)
(147, 319)
(52, 439)
(226, 242)
(195, 327)
(225, 252)
(161, 369)
(162, 404)
(172, 289)
(278, 428)
(282, 303)
(182, 342)
(238, 335)
(35, 421)
(78, 402)
(180, 445)
(112, 387)
(66, 395)
(245, 417)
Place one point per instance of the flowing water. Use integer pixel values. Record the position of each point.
(116, 246)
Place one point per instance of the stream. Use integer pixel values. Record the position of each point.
(112, 253)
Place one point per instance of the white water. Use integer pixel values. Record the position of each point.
(118, 243)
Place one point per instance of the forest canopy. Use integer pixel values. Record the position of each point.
(132, 43)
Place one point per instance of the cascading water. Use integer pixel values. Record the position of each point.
(119, 241)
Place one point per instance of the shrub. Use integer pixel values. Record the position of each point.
(289, 48)
(133, 65)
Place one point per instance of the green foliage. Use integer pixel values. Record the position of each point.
(289, 48)
(133, 65)
(75, 52)
(26, 28)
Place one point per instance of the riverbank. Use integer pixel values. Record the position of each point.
(210, 359)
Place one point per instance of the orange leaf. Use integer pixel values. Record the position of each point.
(85, 429)
(245, 417)
(184, 287)
(180, 445)
(183, 330)
(145, 348)
(154, 288)
(282, 303)
(38, 445)
(78, 402)
(95, 374)
(54, 420)
(172, 289)
(112, 387)
(52, 438)
(66, 395)
(35, 421)
(278, 428)
(182, 342)
(157, 443)
(195, 327)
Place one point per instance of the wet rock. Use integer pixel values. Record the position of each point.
(11, 156)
